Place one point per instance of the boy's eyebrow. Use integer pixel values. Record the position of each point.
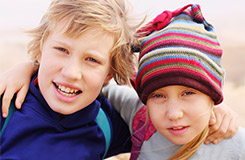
(62, 42)
(96, 54)
(92, 52)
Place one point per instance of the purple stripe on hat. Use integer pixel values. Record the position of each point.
(185, 52)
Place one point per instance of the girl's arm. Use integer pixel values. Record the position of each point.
(15, 80)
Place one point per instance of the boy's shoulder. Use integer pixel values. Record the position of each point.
(118, 129)
(106, 106)
(113, 116)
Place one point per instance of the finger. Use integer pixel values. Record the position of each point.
(212, 139)
(216, 141)
(232, 129)
(215, 127)
(20, 97)
(234, 125)
(219, 119)
(2, 88)
(8, 95)
(221, 132)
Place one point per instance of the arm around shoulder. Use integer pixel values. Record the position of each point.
(124, 99)
(15, 80)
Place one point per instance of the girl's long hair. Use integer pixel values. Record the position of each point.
(187, 150)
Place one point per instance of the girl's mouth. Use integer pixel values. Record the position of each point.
(178, 130)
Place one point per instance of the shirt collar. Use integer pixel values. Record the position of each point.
(79, 118)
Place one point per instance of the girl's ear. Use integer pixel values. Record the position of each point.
(212, 119)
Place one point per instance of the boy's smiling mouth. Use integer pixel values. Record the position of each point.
(67, 91)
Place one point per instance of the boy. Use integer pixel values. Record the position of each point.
(76, 48)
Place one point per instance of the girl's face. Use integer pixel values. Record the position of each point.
(73, 70)
(179, 113)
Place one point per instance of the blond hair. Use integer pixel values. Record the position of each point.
(187, 150)
(110, 15)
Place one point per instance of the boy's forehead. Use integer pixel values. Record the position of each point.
(95, 38)
(61, 26)
(74, 30)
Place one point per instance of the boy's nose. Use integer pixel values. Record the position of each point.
(72, 70)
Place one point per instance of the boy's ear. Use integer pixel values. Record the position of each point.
(109, 77)
(38, 59)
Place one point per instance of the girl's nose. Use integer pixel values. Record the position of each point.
(174, 111)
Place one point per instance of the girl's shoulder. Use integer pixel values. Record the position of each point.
(239, 141)
(239, 138)
(240, 133)
(231, 148)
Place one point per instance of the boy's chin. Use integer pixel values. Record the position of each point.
(63, 111)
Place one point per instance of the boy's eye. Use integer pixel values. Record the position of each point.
(61, 49)
(92, 60)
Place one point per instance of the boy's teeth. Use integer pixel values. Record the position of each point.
(68, 95)
(67, 91)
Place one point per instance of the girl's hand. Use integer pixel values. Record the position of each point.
(15, 80)
(223, 124)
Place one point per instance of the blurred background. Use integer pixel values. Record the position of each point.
(228, 18)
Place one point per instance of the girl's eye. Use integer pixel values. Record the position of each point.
(188, 93)
(157, 96)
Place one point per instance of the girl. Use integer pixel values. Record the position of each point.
(179, 79)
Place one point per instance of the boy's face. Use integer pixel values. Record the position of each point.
(179, 113)
(73, 71)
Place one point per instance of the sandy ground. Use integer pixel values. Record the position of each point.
(13, 50)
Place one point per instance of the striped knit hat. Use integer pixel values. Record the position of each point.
(179, 48)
